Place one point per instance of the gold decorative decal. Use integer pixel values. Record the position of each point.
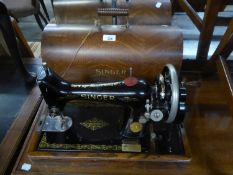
(76, 147)
(97, 97)
(116, 72)
(131, 148)
(95, 85)
(94, 124)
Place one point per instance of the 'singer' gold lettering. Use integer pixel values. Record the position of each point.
(102, 72)
(98, 97)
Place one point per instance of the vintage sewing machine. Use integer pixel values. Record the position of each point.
(122, 116)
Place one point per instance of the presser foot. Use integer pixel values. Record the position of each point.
(57, 123)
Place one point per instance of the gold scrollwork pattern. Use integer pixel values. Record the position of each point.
(78, 147)
(94, 124)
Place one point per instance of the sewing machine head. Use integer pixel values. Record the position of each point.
(149, 105)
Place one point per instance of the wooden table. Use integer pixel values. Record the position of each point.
(19, 97)
(207, 25)
(18, 104)
(208, 123)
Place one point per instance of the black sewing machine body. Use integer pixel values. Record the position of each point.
(126, 116)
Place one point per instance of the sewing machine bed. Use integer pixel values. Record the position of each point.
(69, 157)
(100, 126)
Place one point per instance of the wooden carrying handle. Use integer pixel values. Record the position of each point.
(112, 12)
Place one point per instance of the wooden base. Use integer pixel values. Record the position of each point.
(90, 162)
(18, 130)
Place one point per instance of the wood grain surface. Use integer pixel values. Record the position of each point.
(79, 54)
(150, 12)
(79, 12)
(226, 77)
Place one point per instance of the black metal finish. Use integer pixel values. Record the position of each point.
(168, 141)
(58, 92)
(182, 105)
(130, 92)
(96, 103)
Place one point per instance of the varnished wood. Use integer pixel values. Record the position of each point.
(79, 54)
(226, 79)
(141, 12)
(10, 39)
(146, 12)
(21, 38)
(191, 13)
(223, 21)
(228, 49)
(223, 42)
(210, 17)
(14, 137)
(198, 6)
(11, 142)
(206, 26)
